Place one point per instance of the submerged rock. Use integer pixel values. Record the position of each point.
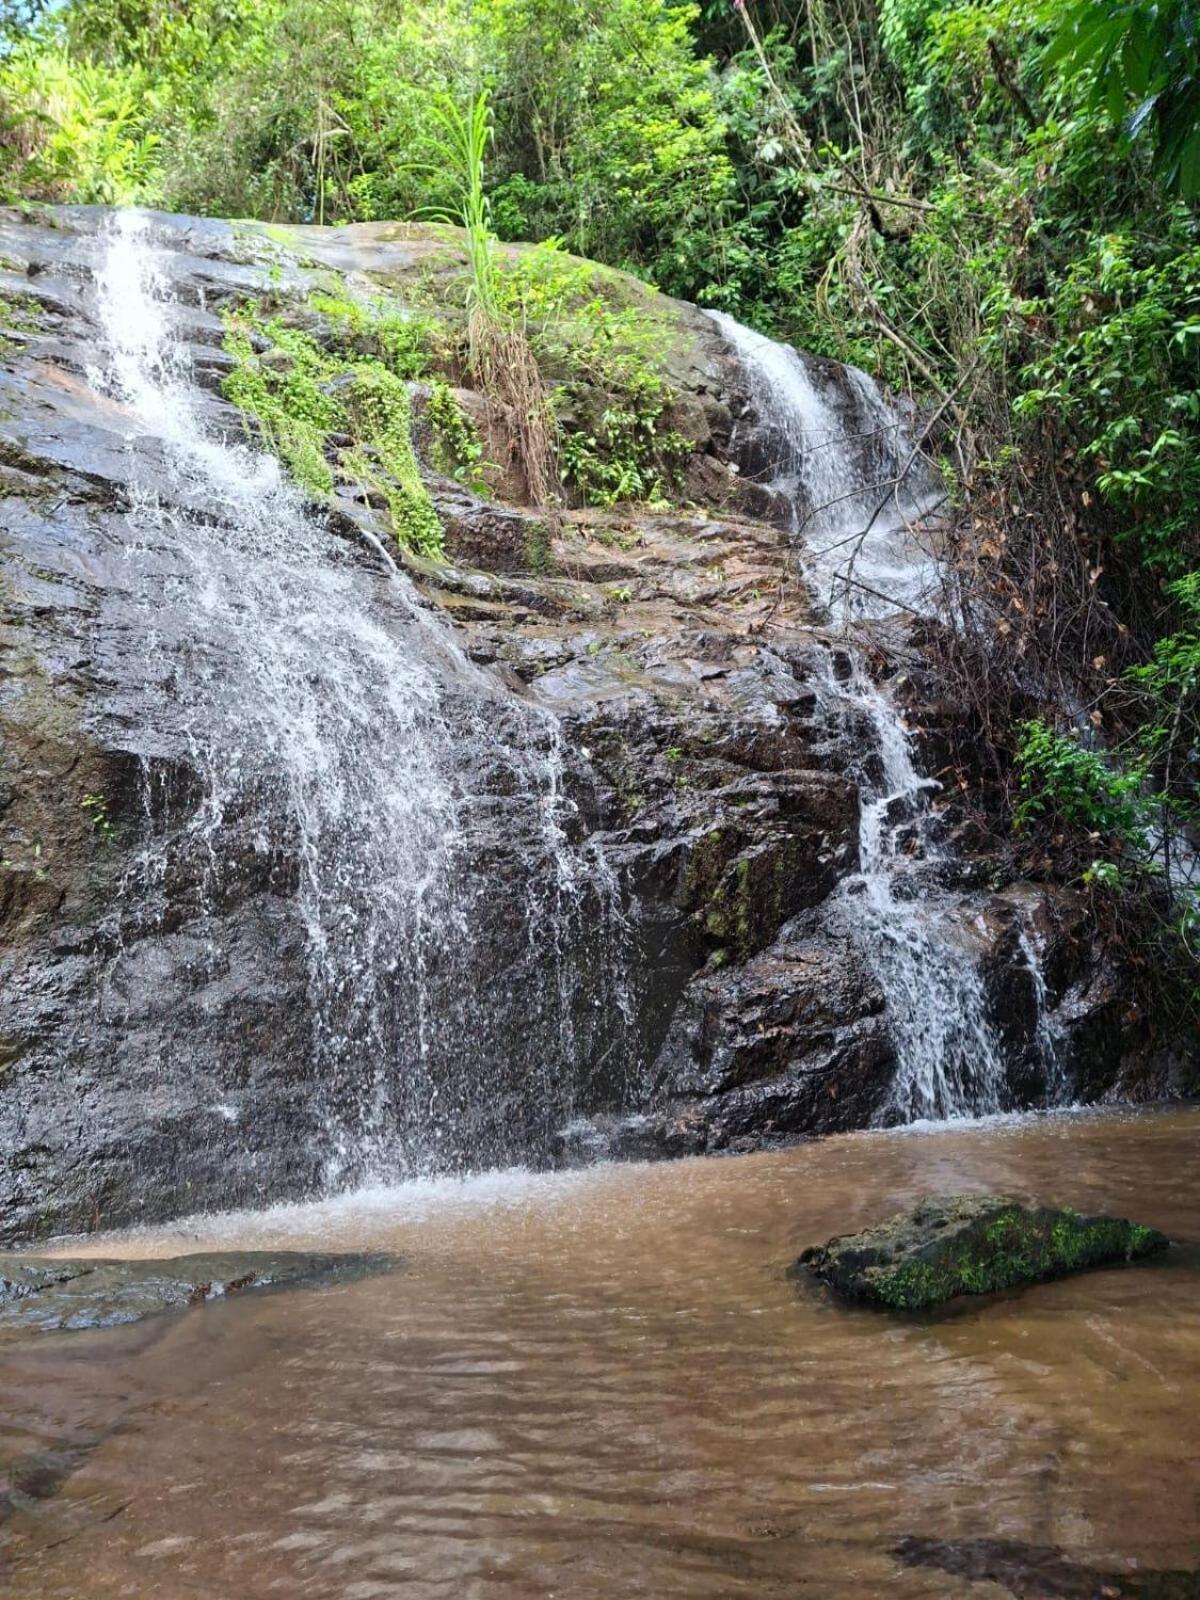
(1033, 1572)
(48, 1296)
(972, 1244)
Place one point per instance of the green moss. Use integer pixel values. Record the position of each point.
(17, 459)
(302, 398)
(380, 413)
(379, 329)
(912, 1286)
(537, 551)
(730, 911)
(18, 319)
(457, 447)
(1017, 1247)
(283, 390)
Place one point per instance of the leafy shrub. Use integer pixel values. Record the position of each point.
(1067, 782)
(605, 359)
(1140, 59)
(76, 130)
(1119, 366)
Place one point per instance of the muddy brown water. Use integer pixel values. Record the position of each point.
(606, 1384)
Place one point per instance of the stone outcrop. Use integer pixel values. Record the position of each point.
(157, 1066)
(49, 1295)
(972, 1244)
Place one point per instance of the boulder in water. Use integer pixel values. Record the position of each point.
(972, 1244)
(1035, 1572)
(44, 1295)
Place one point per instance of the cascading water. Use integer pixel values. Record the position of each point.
(861, 497)
(862, 510)
(345, 746)
(918, 940)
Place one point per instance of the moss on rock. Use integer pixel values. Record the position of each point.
(972, 1244)
(380, 414)
(333, 417)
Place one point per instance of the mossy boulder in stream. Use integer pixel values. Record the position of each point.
(972, 1244)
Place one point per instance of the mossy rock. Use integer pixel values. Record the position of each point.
(972, 1244)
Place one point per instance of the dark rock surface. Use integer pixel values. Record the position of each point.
(158, 1053)
(49, 1296)
(972, 1244)
(1036, 1572)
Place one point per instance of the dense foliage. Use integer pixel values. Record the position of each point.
(989, 203)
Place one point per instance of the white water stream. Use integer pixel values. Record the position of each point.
(863, 499)
(917, 940)
(863, 514)
(333, 722)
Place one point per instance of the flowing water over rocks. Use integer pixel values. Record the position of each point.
(864, 505)
(918, 939)
(862, 501)
(320, 864)
(345, 928)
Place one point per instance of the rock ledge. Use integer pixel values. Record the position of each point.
(45, 1295)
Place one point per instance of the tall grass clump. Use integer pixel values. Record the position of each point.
(500, 355)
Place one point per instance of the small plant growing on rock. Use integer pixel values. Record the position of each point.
(96, 807)
(457, 447)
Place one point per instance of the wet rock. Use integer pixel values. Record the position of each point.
(1035, 1572)
(792, 1043)
(500, 539)
(972, 1244)
(159, 1049)
(49, 1296)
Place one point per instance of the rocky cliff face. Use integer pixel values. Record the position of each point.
(158, 1050)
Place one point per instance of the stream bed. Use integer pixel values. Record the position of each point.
(606, 1383)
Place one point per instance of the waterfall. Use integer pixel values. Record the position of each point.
(917, 938)
(863, 516)
(345, 750)
(862, 499)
